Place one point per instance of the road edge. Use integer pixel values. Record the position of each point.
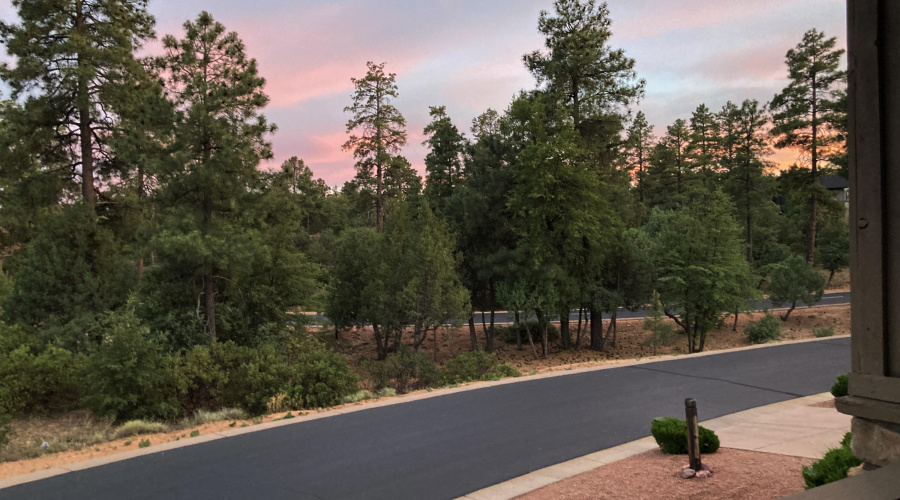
(543, 477)
(362, 406)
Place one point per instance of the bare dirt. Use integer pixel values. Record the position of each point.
(653, 475)
(359, 344)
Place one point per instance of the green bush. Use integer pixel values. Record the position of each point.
(841, 386)
(825, 331)
(34, 378)
(506, 370)
(404, 371)
(320, 376)
(509, 333)
(5, 419)
(764, 330)
(831, 467)
(469, 366)
(357, 396)
(126, 378)
(249, 377)
(671, 436)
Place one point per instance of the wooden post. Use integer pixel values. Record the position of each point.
(693, 433)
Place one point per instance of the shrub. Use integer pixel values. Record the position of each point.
(469, 366)
(671, 436)
(320, 377)
(404, 371)
(357, 396)
(509, 333)
(126, 378)
(825, 331)
(507, 370)
(386, 392)
(144, 444)
(205, 416)
(5, 419)
(764, 330)
(840, 388)
(34, 378)
(138, 427)
(249, 377)
(831, 467)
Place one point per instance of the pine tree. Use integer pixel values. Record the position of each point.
(75, 68)
(803, 111)
(703, 148)
(381, 129)
(219, 141)
(639, 147)
(580, 66)
(445, 160)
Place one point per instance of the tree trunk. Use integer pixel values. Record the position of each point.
(564, 338)
(380, 347)
(435, 342)
(472, 331)
(596, 329)
(83, 102)
(489, 338)
(209, 291)
(578, 334)
(518, 332)
(734, 328)
(702, 340)
(830, 276)
(811, 243)
(531, 343)
(543, 325)
(789, 311)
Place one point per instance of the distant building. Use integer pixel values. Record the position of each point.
(838, 186)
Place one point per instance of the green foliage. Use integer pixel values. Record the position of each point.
(662, 332)
(510, 333)
(33, 377)
(506, 370)
(249, 376)
(357, 396)
(71, 270)
(194, 433)
(5, 419)
(144, 444)
(764, 330)
(470, 366)
(841, 386)
(6, 288)
(794, 280)
(833, 245)
(671, 436)
(444, 162)
(831, 467)
(701, 267)
(126, 377)
(824, 331)
(404, 371)
(319, 376)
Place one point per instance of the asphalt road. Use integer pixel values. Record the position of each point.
(829, 299)
(451, 445)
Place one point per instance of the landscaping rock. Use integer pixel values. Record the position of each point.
(702, 473)
(688, 473)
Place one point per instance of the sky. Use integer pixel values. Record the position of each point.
(467, 55)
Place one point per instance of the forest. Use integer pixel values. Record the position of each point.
(156, 263)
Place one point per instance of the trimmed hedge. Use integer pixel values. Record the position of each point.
(831, 467)
(671, 436)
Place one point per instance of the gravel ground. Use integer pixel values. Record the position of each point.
(652, 475)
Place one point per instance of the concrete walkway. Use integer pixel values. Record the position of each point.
(793, 427)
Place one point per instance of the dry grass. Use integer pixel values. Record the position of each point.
(138, 427)
(71, 431)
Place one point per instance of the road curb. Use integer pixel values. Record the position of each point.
(352, 408)
(543, 477)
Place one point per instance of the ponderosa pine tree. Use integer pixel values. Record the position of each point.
(746, 138)
(75, 69)
(639, 147)
(669, 175)
(444, 161)
(703, 148)
(380, 126)
(212, 168)
(591, 77)
(803, 111)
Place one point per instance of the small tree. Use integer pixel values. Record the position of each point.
(662, 332)
(834, 247)
(795, 280)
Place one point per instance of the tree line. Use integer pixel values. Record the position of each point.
(135, 215)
